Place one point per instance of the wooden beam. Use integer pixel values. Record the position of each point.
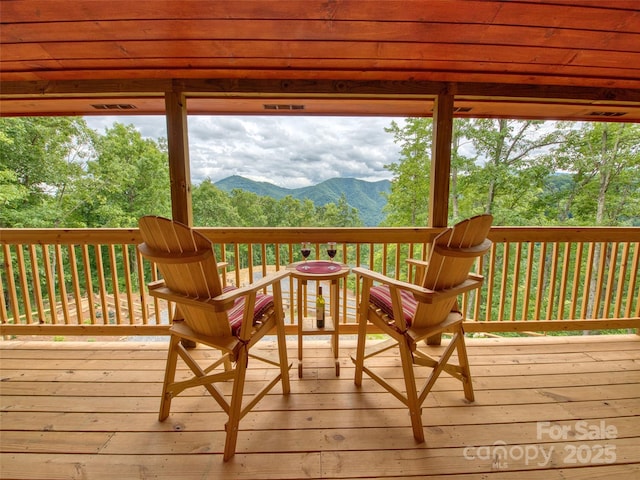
(178, 146)
(441, 160)
(321, 87)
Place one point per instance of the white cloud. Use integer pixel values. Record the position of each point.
(290, 152)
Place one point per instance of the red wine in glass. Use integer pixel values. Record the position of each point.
(305, 251)
(331, 250)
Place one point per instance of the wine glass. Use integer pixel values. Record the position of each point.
(331, 250)
(305, 250)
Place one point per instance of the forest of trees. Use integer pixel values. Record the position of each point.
(523, 172)
(57, 172)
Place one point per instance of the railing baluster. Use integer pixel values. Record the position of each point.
(10, 291)
(633, 280)
(540, 285)
(552, 281)
(622, 277)
(62, 287)
(586, 293)
(503, 281)
(141, 288)
(490, 279)
(24, 285)
(515, 283)
(131, 306)
(115, 286)
(37, 289)
(236, 263)
(576, 280)
(101, 284)
(600, 280)
(613, 259)
(75, 278)
(566, 261)
(88, 284)
(50, 282)
(528, 281)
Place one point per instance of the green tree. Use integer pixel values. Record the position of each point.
(212, 207)
(407, 203)
(513, 167)
(339, 215)
(604, 161)
(42, 160)
(249, 208)
(128, 178)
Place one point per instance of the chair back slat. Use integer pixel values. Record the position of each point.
(450, 264)
(446, 269)
(167, 242)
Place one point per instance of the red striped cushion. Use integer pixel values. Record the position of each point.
(381, 298)
(263, 303)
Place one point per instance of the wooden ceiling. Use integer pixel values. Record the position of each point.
(551, 59)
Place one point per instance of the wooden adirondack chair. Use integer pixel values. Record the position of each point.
(409, 313)
(231, 320)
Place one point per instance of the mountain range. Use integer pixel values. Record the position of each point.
(367, 197)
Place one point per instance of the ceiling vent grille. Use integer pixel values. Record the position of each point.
(279, 106)
(113, 106)
(607, 114)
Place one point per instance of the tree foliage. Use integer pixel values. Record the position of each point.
(41, 161)
(411, 174)
(603, 160)
(522, 172)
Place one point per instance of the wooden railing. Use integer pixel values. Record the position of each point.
(92, 281)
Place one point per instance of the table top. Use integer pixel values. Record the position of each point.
(318, 269)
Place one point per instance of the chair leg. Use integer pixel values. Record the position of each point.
(282, 355)
(169, 377)
(463, 361)
(415, 410)
(362, 337)
(235, 406)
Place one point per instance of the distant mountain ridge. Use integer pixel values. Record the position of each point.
(367, 197)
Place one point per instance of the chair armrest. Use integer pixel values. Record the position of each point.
(422, 294)
(219, 303)
(254, 287)
(417, 263)
(420, 265)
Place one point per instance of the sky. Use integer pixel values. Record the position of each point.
(290, 152)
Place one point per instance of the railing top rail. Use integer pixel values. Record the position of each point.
(90, 236)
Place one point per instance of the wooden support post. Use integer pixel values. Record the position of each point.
(440, 169)
(441, 160)
(178, 146)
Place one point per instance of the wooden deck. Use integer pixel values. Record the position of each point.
(88, 410)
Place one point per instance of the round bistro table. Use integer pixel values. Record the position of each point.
(319, 271)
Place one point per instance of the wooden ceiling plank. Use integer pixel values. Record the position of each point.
(318, 50)
(592, 15)
(45, 10)
(608, 15)
(473, 77)
(368, 31)
(278, 67)
(631, 73)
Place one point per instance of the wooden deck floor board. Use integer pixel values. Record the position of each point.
(89, 410)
